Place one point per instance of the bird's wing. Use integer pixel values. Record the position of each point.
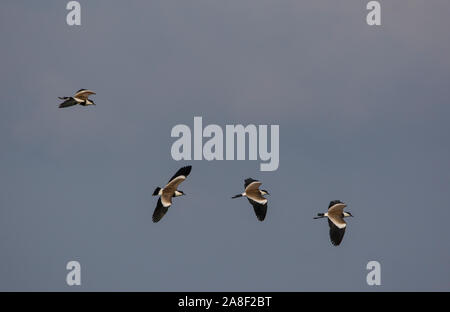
(336, 233)
(252, 185)
(160, 211)
(255, 195)
(179, 177)
(337, 220)
(260, 209)
(337, 209)
(182, 172)
(334, 202)
(68, 102)
(172, 186)
(248, 181)
(83, 94)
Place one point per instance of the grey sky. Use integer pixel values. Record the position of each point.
(363, 114)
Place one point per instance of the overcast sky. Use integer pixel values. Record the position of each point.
(363, 114)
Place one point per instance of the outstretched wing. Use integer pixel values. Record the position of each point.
(260, 209)
(184, 171)
(179, 177)
(69, 101)
(252, 185)
(337, 208)
(249, 181)
(83, 94)
(160, 211)
(336, 233)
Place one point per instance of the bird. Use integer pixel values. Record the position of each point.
(167, 192)
(255, 197)
(336, 215)
(81, 97)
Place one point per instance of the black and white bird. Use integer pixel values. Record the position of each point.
(167, 192)
(255, 197)
(336, 215)
(81, 97)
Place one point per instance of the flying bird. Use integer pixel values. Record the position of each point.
(336, 215)
(81, 97)
(255, 197)
(167, 192)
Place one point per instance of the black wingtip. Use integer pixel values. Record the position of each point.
(156, 191)
(248, 181)
(184, 171)
(334, 202)
(336, 242)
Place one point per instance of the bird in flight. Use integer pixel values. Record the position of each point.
(167, 192)
(336, 215)
(255, 197)
(81, 97)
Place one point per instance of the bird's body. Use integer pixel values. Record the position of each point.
(336, 222)
(170, 190)
(81, 97)
(255, 197)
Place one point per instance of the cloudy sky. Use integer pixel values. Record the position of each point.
(363, 114)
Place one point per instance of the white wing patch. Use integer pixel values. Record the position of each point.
(263, 202)
(338, 222)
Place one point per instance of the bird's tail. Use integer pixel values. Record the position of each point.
(319, 216)
(156, 191)
(237, 196)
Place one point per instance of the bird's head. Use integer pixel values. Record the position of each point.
(264, 192)
(347, 214)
